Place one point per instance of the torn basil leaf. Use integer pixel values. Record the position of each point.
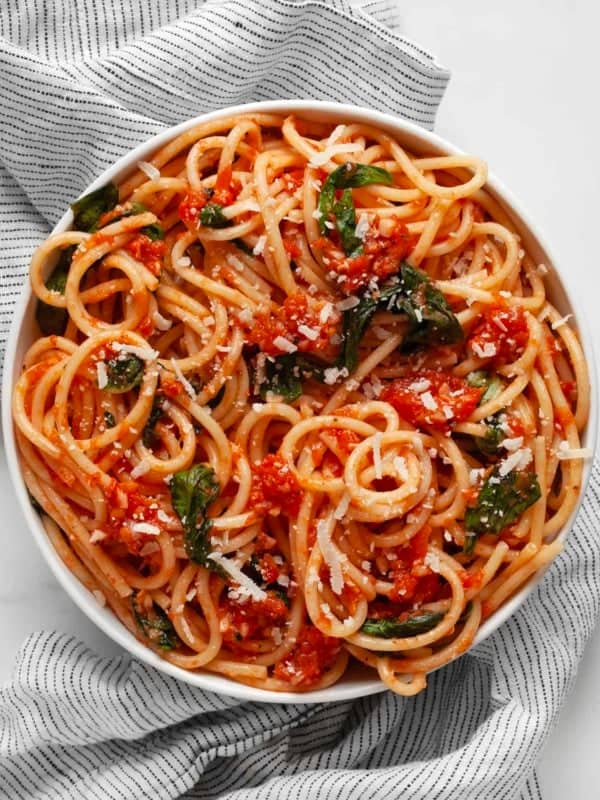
(431, 320)
(494, 434)
(212, 216)
(501, 501)
(481, 379)
(345, 222)
(192, 491)
(109, 420)
(155, 625)
(156, 412)
(411, 292)
(348, 176)
(52, 320)
(284, 374)
(124, 372)
(88, 209)
(393, 628)
(245, 248)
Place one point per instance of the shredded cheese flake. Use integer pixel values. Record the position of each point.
(145, 353)
(97, 536)
(518, 460)
(330, 554)
(281, 343)
(342, 506)
(245, 583)
(560, 322)
(102, 374)
(141, 468)
(260, 245)
(310, 333)
(347, 303)
(189, 389)
(565, 452)
(145, 527)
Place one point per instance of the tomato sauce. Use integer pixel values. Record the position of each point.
(250, 618)
(313, 654)
(432, 398)
(140, 508)
(381, 256)
(287, 321)
(502, 334)
(149, 252)
(274, 486)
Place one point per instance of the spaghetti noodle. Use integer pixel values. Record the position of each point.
(299, 397)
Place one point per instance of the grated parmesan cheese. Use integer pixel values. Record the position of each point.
(347, 303)
(429, 401)
(145, 527)
(102, 374)
(325, 313)
(330, 554)
(281, 343)
(362, 227)
(518, 460)
(189, 389)
(245, 583)
(332, 374)
(149, 169)
(487, 351)
(149, 548)
(145, 353)
(260, 245)
(310, 333)
(565, 452)
(512, 444)
(97, 536)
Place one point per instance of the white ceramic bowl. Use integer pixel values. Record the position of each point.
(358, 681)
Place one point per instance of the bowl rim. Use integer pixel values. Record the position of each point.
(105, 619)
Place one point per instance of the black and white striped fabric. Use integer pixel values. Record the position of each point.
(80, 84)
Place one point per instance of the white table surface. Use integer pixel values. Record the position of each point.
(523, 96)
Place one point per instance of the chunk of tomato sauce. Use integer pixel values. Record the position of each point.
(149, 252)
(380, 257)
(274, 486)
(312, 656)
(502, 332)
(295, 313)
(432, 398)
(226, 188)
(248, 619)
(191, 206)
(140, 508)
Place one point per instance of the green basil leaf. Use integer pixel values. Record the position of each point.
(153, 232)
(283, 375)
(348, 176)
(156, 412)
(245, 248)
(109, 420)
(212, 216)
(393, 628)
(432, 321)
(124, 372)
(88, 209)
(214, 402)
(192, 491)
(501, 501)
(345, 222)
(155, 626)
(494, 434)
(53, 320)
(481, 379)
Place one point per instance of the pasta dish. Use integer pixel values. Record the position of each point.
(299, 398)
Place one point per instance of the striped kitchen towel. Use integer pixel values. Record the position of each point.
(80, 84)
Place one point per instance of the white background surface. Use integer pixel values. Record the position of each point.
(523, 96)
